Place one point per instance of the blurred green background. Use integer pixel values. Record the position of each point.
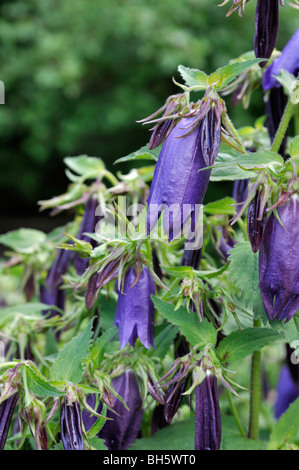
(78, 74)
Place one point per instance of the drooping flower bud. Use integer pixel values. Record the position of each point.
(288, 60)
(59, 268)
(88, 225)
(240, 189)
(124, 425)
(174, 396)
(135, 309)
(178, 186)
(287, 392)
(278, 262)
(55, 297)
(7, 408)
(266, 28)
(207, 415)
(256, 221)
(71, 426)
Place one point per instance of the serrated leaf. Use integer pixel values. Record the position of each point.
(196, 332)
(23, 240)
(68, 364)
(39, 386)
(240, 344)
(193, 77)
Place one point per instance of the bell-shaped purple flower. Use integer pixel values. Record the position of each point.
(256, 221)
(55, 297)
(60, 266)
(71, 426)
(7, 408)
(178, 187)
(279, 263)
(266, 28)
(207, 415)
(124, 425)
(288, 60)
(135, 309)
(287, 392)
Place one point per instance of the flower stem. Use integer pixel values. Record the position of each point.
(283, 126)
(255, 392)
(235, 413)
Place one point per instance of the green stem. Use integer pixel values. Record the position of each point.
(235, 413)
(283, 126)
(255, 392)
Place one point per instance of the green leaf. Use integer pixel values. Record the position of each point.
(228, 168)
(177, 436)
(23, 240)
(232, 440)
(247, 280)
(196, 332)
(97, 350)
(86, 167)
(164, 336)
(294, 147)
(38, 384)
(223, 206)
(225, 75)
(286, 429)
(67, 366)
(193, 77)
(240, 344)
(97, 444)
(142, 154)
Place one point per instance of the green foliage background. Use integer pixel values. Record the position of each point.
(79, 73)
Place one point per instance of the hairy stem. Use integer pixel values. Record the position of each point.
(255, 391)
(283, 126)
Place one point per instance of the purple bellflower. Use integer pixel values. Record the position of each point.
(7, 408)
(71, 426)
(135, 309)
(266, 28)
(256, 221)
(288, 60)
(124, 425)
(240, 189)
(178, 185)
(287, 392)
(207, 415)
(279, 261)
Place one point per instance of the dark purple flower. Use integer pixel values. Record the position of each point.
(178, 185)
(226, 243)
(207, 415)
(124, 425)
(287, 392)
(288, 60)
(266, 28)
(256, 221)
(240, 188)
(88, 225)
(71, 426)
(88, 418)
(60, 266)
(7, 408)
(279, 262)
(174, 396)
(54, 296)
(135, 309)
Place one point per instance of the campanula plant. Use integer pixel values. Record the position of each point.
(158, 315)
